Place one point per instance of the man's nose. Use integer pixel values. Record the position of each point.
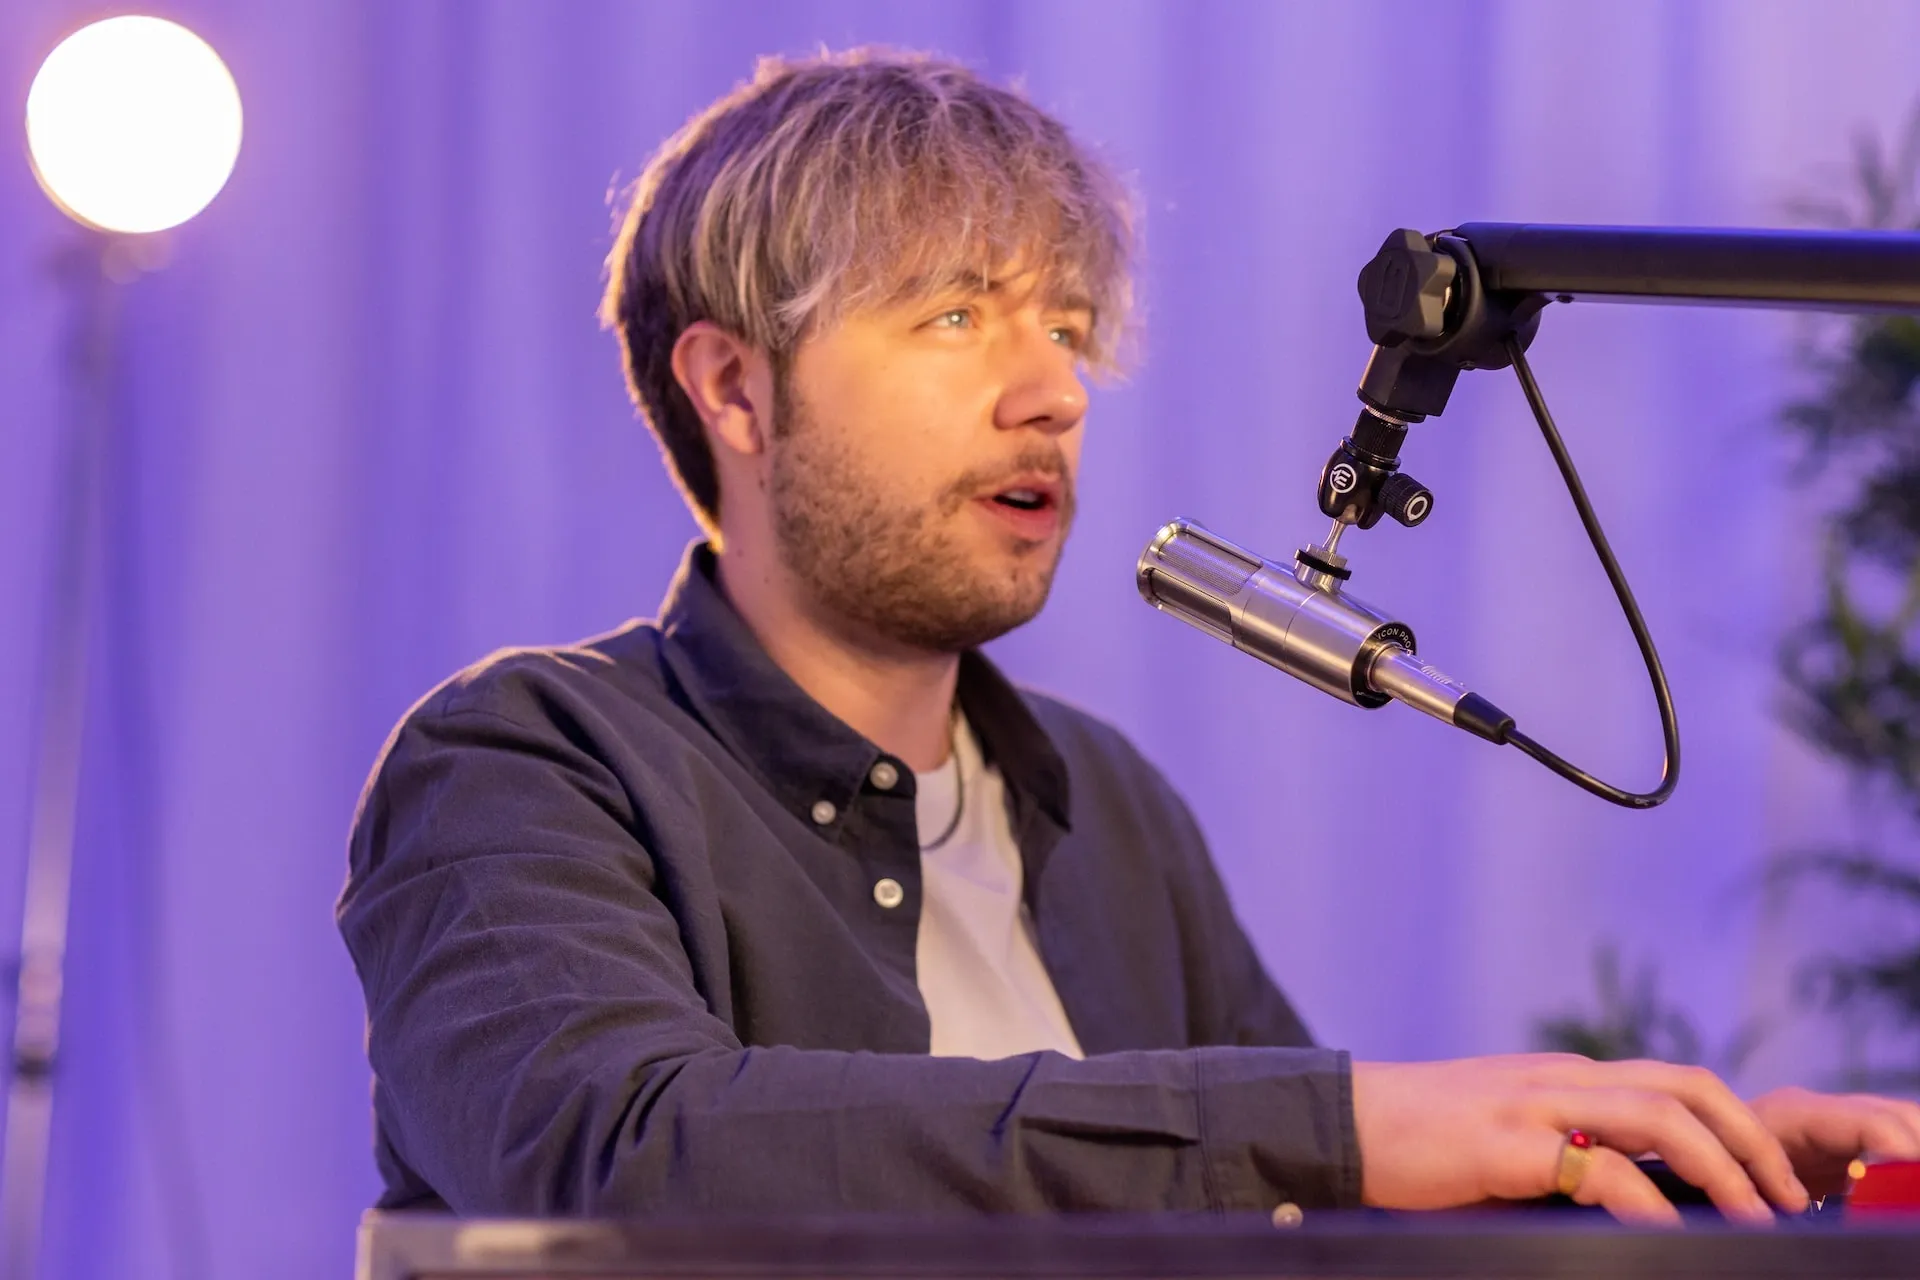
(1043, 388)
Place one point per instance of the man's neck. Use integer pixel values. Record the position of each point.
(899, 699)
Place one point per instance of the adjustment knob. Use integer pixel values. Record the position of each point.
(1404, 290)
(1406, 499)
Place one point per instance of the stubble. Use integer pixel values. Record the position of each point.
(896, 567)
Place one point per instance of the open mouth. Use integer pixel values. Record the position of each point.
(1024, 499)
(1033, 512)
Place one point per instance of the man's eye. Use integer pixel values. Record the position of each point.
(958, 318)
(1067, 336)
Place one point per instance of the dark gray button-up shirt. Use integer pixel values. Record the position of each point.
(613, 907)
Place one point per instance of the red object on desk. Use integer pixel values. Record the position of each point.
(1886, 1189)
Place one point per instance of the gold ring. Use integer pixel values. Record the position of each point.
(1576, 1157)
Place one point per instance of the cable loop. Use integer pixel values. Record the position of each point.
(1669, 723)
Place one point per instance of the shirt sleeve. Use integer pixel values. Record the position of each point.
(540, 1044)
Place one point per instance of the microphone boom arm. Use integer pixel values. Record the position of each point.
(1471, 298)
(1823, 270)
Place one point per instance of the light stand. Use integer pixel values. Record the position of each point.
(54, 814)
(133, 125)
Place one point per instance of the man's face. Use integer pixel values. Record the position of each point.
(921, 473)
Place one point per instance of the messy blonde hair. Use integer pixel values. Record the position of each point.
(850, 180)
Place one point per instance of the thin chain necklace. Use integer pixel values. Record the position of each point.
(959, 787)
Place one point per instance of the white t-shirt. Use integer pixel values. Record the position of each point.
(980, 973)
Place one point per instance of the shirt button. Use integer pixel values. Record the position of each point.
(883, 776)
(824, 812)
(888, 893)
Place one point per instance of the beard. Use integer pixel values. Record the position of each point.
(895, 567)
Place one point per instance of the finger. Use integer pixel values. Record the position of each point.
(1617, 1185)
(1889, 1127)
(1632, 1120)
(1856, 1124)
(1910, 1113)
(1731, 1121)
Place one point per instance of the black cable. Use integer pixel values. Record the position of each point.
(1669, 725)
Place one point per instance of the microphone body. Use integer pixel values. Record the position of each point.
(1297, 619)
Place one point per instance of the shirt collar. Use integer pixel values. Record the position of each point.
(804, 753)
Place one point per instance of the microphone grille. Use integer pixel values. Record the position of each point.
(1223, 569)
(1189, 572)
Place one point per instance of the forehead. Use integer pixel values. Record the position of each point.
(1050, 282)
(1018, 253)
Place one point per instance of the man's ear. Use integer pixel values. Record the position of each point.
(729, 382)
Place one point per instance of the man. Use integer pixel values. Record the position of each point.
(789, 901)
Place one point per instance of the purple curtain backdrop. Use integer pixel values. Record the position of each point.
(371, 432)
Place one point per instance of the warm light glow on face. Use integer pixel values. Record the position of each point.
(133, 124)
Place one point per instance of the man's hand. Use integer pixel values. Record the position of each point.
(1822, 1132)
(1436, 1135)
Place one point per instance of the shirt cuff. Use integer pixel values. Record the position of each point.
(1277, 1125)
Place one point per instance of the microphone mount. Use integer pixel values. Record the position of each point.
(1472, 298)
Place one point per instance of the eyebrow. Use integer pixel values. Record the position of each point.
(1056, 296)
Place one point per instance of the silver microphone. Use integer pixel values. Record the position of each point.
(1298, 619)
